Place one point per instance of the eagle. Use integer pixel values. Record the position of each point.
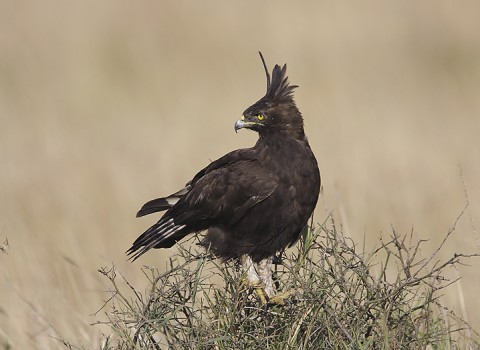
(252, 202)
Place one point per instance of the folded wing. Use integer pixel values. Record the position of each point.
(220, 194)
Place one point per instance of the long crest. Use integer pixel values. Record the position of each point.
(278, 87)
(266, 70)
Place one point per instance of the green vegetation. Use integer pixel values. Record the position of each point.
(344, 299)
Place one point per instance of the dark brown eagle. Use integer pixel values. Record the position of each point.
(253, 202)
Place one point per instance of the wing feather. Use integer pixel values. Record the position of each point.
(221, 193)
(225, 194)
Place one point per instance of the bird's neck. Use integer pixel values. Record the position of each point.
(280, 141)
(291, 131)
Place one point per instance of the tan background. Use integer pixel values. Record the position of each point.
(106, 104)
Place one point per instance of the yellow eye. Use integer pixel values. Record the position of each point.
(260, 117)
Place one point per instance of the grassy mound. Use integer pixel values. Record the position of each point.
(344, 299)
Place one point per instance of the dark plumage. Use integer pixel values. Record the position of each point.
(254, 201)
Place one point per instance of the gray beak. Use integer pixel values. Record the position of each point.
(238, 125)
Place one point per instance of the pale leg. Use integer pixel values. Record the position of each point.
(252, 279)
(248, 269)
(265, 274)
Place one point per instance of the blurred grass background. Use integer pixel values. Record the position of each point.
(105, 105)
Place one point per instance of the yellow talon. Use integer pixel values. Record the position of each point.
(258, 290)
(280, 299)
(261, 295)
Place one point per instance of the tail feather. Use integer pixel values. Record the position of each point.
(154, 232)
(153, 206)
(154, 237)
(161, 204)
(165, 232)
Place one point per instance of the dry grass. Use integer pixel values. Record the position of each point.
(105, 105)
(344, 299)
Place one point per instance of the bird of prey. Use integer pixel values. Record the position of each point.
(253, 202)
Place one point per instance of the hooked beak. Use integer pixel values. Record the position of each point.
(242, 123)
(239, 124)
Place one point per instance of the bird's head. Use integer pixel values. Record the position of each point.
(276, 112)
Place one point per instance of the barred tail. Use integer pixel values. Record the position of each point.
(163, 234)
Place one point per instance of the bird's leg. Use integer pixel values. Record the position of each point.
(265, 273)
(251, 278)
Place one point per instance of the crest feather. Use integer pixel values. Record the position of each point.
(278, 87)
